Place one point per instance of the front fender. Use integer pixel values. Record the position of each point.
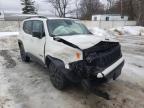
(71, 76)
(62, 52)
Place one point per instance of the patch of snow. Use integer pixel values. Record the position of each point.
(8, 41)
(128, 30)
(99, 32)
(133, 68)
(102, 33)
(6, 99)
(5, 34)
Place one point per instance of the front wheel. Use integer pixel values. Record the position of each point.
(57, 77)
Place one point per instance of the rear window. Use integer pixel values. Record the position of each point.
(27, 27)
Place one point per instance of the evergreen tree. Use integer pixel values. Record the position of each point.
(29, 7)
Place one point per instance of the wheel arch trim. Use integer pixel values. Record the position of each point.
(20, 42)
(59, 63)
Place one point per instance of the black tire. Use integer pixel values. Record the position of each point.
(57, 77)
(24, 57)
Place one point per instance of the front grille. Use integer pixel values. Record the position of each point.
(102, 54)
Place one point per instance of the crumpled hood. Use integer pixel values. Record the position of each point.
(83, 41)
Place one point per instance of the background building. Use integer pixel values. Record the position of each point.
(109, 17)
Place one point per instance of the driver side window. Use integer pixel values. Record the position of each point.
(38, 27)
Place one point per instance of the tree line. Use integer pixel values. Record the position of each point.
(132, 8)
(84, 9)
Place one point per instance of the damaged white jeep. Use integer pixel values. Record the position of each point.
(71, 53)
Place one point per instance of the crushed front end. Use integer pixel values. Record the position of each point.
(100, 63)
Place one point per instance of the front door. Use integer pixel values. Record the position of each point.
(38, 39)
(27, 35)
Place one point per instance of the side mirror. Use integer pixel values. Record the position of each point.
(37, 34)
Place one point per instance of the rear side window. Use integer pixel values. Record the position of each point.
(27, 27)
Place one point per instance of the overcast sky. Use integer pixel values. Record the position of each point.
(15, 6)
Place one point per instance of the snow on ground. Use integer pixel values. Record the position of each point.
(5, 34)
(128, 30)
(102, 33)
(120, 31)
(8, 42)
(27, 85)
(98, 31)
(9, 26)
(123, 31)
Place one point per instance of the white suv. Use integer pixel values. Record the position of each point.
(71, 53)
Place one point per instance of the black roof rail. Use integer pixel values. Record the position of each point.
(36, 17)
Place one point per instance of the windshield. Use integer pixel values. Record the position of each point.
(64, 27)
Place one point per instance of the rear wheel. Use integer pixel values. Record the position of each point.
(24, 57)
(57, 77)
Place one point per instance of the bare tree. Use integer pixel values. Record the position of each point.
(77, 10)
(133, 8)
(124, 7)
(60, 6)
(110, 3)
(139, 11)
(90, 7)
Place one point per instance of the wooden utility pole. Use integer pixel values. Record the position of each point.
(121, 8)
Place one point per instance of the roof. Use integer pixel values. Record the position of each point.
(49, 17)
(57, 18)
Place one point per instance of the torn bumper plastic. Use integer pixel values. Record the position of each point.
(110, 68)
(80, 71)
(102, 60)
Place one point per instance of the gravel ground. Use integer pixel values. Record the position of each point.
(28, 86)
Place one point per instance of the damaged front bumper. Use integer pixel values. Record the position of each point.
(108, 70)
(102, 61)
(80, 71)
